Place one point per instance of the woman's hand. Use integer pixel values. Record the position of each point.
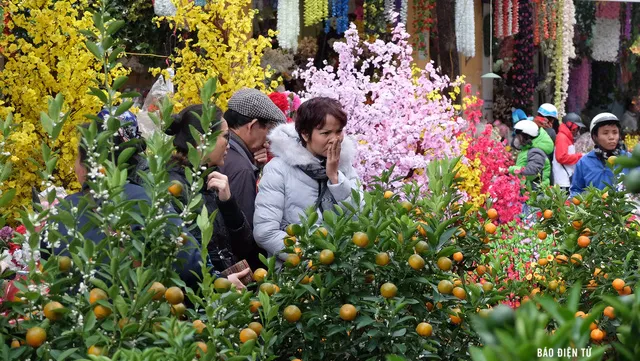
(234, 278)
(333, 158)
(220, 183)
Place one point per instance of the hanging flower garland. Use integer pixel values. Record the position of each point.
(536, 27)
(341, 14)
(423, 23)
(315, 11)
(288, 24)
(608, 10)
(522, 76)
(374, 17)
(606, 40)
(552, 18)
(627, 21)
(465, 27)
(499, 19)
(515, 27)
(404, 11)
(579, 85)
(568, 50)
(508, 17)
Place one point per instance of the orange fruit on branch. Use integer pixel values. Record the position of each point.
(542, 235)
(95, 351)
(462, 233)
(15, 343)
(416, 262)
(247, 334)
(326, 257)
(577, 224)
(382, 259)
(458, 256)
(460, 293)
(547, 214)
(609, 312)
(178, 310)
(618, 284)
(360, 239)
(490, 228)
(202, 349)
(289, 241)
(388, 290)
(388, 194)
(268, 288)
(292, 314)
(597, 335)
(174, 295)
(259, 275)
(584, 241)
(348, 312)
(455, 317)
(424, 329)
(481, 269)
(293, 260)
(576, 201)
(290, 231)
(64, 263)
(561, 259)
(158, 290)
(256, 327)
(50, 311)
(444, 263)
(254, 305)
(421, 247)
(487, 286)
(36, 336)
(97, 294)
(543, 262)
(445, 287)
(199, 326)
(492, 214)
(175, 188)
(101, 312)
(576, 258)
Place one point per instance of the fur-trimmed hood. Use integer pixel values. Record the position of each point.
(285, 144)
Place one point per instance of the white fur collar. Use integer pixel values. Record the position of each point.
(285, 144)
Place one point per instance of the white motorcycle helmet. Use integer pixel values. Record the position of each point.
(601, 119)
(527, 127)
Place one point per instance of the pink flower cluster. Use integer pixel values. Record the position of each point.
(503, 188)
(579, 86)
(396, 116)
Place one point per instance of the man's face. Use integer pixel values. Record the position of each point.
(257, 135)
(608, 137)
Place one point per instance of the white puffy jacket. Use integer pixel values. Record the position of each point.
(285, 191)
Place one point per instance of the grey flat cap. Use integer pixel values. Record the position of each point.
(254, 104)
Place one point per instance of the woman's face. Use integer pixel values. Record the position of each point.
(81, 170)
(217, 155)
(319, 140)
(608, 137)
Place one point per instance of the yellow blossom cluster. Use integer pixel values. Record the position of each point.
(631, 141)
(470, 172)
(45, 54)
(220, 45)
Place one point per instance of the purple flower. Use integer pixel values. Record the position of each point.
(6, 233)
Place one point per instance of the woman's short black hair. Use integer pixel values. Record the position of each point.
(312, 114)
(139, 144)
(180, 127)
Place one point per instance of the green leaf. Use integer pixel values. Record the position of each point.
(89, 321)
(100, 284)
(123, 107)
(115, 26)
(399, 333)
(66, 354)
(93, 48)
(119, 82)
(7, 197)
(121, 306)
(125, 155)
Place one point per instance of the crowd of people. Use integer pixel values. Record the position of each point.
(547, 153)
(264, 173)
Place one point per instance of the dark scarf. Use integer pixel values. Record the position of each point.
(603, 155)
(318, 171)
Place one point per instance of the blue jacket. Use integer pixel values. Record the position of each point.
(591, 171)
(189, 254)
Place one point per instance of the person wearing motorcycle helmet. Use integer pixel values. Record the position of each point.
(532, 161)
(565, 156)
(547, 119)
(129, 136)
(592, 169)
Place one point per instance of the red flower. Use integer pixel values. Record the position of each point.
(280, 100)
(21, 229)
(13, 247)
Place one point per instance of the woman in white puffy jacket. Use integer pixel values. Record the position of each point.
(313, 167)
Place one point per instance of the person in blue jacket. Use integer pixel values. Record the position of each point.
(592, 169)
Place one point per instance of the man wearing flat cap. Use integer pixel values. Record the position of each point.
(250, 116)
